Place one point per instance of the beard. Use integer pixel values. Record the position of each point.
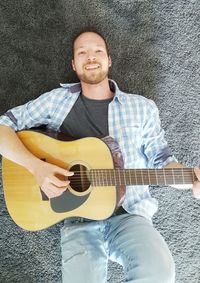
(92, 77)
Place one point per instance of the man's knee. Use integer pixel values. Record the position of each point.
(154, 272)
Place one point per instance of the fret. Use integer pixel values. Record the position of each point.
(91, 177)
(120, 176)
(103, 177)
(194, 178)
(114, 175)
(98, 176)
(99, 181)
(124, 175)
(173, 176)
(178, 177)
(160, 177)
(164, 176)
(129, 174)
(156, 178)
(168, 176)
(110, 176)
(94, 177)
(136, 180)
(183, 177)
(117, 176)
(142, 176)
(149, 176)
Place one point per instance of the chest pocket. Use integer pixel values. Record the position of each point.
(130, 139)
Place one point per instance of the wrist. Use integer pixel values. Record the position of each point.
(33, 164)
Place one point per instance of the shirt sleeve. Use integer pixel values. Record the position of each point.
(155, 146)
(32, 114)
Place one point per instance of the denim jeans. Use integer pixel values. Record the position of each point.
(130, 240)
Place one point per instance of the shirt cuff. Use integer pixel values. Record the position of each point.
(6, 121)
(170, 159)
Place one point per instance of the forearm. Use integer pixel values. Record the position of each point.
(13, 149)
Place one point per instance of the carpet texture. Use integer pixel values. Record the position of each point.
(156, 53)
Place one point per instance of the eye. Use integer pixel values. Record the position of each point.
(99, 50)
(81, 52)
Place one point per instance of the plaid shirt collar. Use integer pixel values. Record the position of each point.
(76, 88)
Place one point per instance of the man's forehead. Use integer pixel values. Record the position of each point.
(89, 38)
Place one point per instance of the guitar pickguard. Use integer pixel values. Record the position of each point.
(67, 202)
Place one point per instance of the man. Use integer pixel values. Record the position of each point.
(96, 107)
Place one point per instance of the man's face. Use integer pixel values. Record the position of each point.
(91, 61)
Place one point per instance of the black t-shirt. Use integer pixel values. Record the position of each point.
(87, 118)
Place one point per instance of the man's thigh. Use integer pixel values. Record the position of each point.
(84, 258)
(139, 247)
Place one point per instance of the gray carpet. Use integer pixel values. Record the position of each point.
(156, 53)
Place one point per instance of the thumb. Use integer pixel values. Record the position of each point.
(64, 172)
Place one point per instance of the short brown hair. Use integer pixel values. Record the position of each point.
(88, 29)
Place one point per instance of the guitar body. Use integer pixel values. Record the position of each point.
(23, 196)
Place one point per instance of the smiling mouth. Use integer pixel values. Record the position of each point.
(92, 67)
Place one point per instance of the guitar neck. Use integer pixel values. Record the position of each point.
(167, 176)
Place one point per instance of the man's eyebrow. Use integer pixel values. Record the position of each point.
(81, 47)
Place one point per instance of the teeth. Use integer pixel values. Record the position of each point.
(93, 66)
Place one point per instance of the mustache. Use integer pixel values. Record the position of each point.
(91, 63)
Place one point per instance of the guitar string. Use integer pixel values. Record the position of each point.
(85, 175)
(169, 170)
(137, 173)
(127, 173)
(137, 179)
(118, 173)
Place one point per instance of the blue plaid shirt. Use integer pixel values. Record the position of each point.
(133, 121)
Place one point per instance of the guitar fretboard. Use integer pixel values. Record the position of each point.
(167, 176)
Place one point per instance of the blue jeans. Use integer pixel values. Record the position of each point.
(130, 240)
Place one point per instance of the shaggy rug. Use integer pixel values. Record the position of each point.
(156, 53)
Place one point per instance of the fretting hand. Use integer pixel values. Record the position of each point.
(196, 185)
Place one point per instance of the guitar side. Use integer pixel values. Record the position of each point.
(22, 194)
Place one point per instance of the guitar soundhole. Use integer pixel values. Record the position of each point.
(79, 181)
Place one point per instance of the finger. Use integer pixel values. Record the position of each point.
(59, 183)
(197, 172)
(47, 192)
(197, 196)
(196, 190)
(52, 191)
(64, 172)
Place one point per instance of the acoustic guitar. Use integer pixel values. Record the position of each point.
(96, 189)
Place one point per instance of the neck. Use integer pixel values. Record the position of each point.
(97, 91)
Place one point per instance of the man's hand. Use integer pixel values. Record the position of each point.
(196, 185)
(47, 178)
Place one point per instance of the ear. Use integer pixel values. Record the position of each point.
(109, 61)
(73, 65)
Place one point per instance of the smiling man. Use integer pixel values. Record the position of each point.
(91, 60)
(91, 63)
(97, 107)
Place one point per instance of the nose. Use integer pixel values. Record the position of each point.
(91, 57)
